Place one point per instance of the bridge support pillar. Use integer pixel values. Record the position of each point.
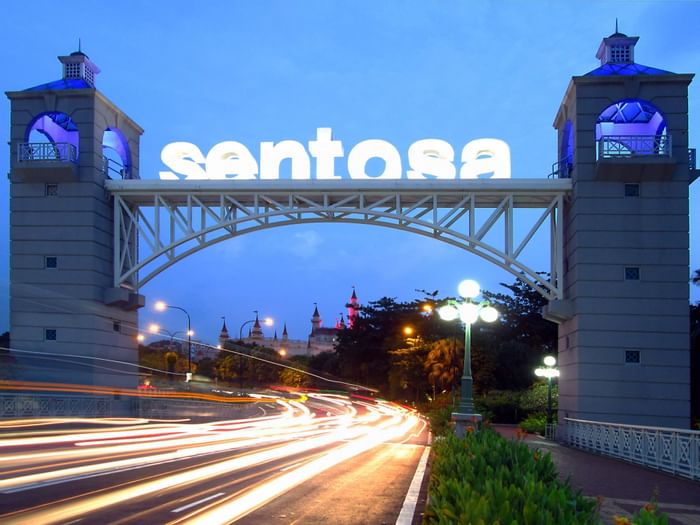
(624, 328)
(66, 322)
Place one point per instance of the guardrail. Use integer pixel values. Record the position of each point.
(669, 449)
(46, 151)
(52, 405)
(626, 146)
(562, 169)
(692, 159)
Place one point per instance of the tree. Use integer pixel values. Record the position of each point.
(294, 378)
(407, 377)
(521, 317)
(444, 364)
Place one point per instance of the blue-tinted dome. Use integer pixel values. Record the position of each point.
(625, 69)
(62, 84)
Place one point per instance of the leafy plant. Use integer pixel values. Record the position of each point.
(484, 478)
(534, 424)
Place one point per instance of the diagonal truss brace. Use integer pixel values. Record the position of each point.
(157, 223)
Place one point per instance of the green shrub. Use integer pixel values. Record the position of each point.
(502, 405)
(439, 418)
(484, 478)
(534, 424)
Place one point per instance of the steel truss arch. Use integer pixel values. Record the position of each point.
(176, 219)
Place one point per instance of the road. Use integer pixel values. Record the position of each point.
(319, 458)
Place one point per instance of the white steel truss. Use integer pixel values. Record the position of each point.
(157, 223)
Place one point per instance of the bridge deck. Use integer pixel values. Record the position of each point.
(488, 193)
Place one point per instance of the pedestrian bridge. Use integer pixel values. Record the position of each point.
(157, 222)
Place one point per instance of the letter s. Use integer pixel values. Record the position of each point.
(431, 157)
(484, 156)
(183, 158)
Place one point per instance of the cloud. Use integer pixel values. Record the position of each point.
(305, 244)
(231, 248)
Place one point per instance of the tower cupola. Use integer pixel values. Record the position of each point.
(77, 65)
(618, 48)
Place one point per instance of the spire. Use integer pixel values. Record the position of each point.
(340, 325)
(223, 335)
(285, 336)
(353, 308)
(275, 337)
(257, 333)
(315, 319)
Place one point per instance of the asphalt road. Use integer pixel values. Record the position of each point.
(322, 459)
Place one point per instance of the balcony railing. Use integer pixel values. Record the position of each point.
(628, 146)
(47, 152)
(692, 166)
(562, 169)
(114, 169)
(669, 449)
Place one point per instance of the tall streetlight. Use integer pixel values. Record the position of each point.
(550, 372)
(468, 311)
(267, 322)
(161, 307)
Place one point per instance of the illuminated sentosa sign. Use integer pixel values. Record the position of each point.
(427, 159)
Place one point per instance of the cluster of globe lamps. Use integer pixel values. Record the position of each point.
(468, 311)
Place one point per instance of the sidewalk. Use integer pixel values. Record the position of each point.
(624, 487)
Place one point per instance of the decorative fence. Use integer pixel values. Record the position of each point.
(669, 449)
(47, 151)
(616, 146)
(52, 405)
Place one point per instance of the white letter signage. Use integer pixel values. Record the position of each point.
(427, 159)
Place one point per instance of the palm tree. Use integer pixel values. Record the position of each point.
(444, 364)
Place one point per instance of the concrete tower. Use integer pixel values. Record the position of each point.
(623, 333)
(66, 140)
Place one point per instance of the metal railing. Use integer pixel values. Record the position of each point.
(46, 151)
(692, 159)
(562, 169)
(626, 146)
(669, 449)
(114, 169)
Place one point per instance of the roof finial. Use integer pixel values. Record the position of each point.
(79, 48)
(616, 25)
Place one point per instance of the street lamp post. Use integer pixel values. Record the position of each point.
(468, 312)
(161, 306)
(550, 372)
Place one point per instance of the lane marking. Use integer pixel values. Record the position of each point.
(409, 504)
(195, 503)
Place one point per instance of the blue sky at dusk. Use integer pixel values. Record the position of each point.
(206, 72)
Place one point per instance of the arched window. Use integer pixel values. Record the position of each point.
(52, 136)
(115, 150)
(631, 128)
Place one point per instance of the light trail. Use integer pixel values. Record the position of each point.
(310, 435)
